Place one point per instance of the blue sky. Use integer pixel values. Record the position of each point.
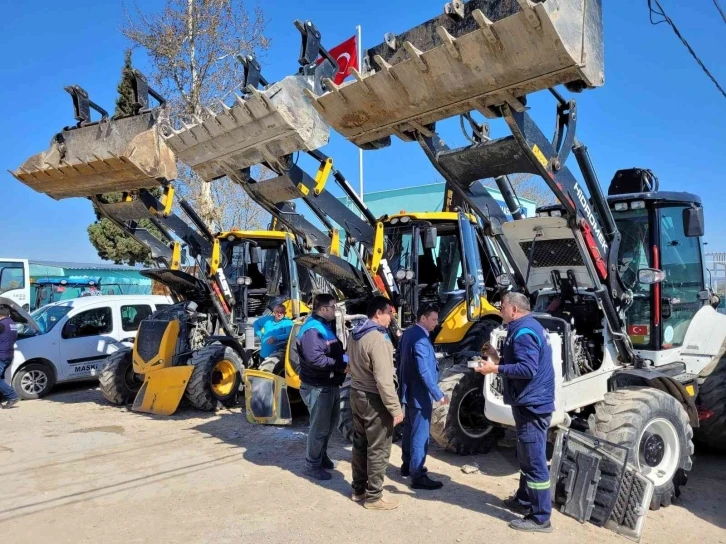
(657, 108)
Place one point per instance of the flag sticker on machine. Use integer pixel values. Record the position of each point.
(639, 334)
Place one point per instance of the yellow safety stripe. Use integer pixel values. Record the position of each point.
(539, 486)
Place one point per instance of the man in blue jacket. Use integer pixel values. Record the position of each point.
(419, 377)
(529, 388)
(322, 371)
(273, 331)
(8, 336)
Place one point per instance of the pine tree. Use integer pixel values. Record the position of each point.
(125, 99)
(111, 242)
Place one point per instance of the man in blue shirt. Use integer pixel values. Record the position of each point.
(273, 331)
(8, 336)
(419, 377)
(529, 388)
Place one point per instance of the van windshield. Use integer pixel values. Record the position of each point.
(48, 316)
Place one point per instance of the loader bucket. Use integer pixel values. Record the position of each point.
(262, 127)
(483, 54)
(111, 155)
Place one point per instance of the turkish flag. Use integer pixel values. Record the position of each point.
(638, 330)
(346, 54)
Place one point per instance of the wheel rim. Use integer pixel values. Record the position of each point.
(659, 451)
(34, 382)
(472, 420)
(223, 378)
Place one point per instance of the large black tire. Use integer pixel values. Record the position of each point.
(33, 381)
(208, 385)
(712, 397)
(345, 422)
(119, 384)
(655, 427)
(460, 426)
(477, 336)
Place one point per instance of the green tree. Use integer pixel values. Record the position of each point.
(111, 242)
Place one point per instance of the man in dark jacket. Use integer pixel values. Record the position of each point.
(8, 335)
(529, 388)
(419, 376)
(322, 371)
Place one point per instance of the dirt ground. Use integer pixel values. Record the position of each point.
(75, 469)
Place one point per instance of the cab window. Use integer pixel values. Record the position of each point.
(89, 323)
(133, 315)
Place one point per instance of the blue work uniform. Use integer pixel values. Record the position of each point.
(418, 378)
(8, 336)
(529, 388)
(266, 327)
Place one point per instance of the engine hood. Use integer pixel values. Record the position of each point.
(180, 283)
(19, 315)
(345, 277)
(555, 248)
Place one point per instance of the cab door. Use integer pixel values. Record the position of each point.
(85, 340)
(473, 276)
(681, 292)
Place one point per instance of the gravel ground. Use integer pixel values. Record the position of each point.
(75, 469)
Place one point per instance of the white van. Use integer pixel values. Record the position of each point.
(69, 340)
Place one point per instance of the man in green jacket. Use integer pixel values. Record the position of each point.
(374, 402)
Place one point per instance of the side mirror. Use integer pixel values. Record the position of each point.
(255, 255)
(649, 276)
(429, 238)
(693, 222)
(504, 280)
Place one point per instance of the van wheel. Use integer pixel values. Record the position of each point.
(33, 381)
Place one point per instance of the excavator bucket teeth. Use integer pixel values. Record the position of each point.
(124, 154)
(262, 127)
(496, 53)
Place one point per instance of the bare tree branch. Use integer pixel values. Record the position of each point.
(192, 46)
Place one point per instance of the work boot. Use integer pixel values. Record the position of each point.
(424, 482)
(513, 504)
(381, 504)
(329, 464)
(355, 497)
(11, 402)
(528, 525)
(317, 473)
(405, 472)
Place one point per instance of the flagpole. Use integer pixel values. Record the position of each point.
(360, 151)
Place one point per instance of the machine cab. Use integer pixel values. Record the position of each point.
(436, 258)
(660, 260)
(261, 270)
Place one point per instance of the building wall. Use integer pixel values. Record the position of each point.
(113, 280)
(422, 198)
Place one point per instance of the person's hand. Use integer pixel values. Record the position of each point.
(444, 400)
(486, 367)
(270, 341)
(490, 352)
(398, 419)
